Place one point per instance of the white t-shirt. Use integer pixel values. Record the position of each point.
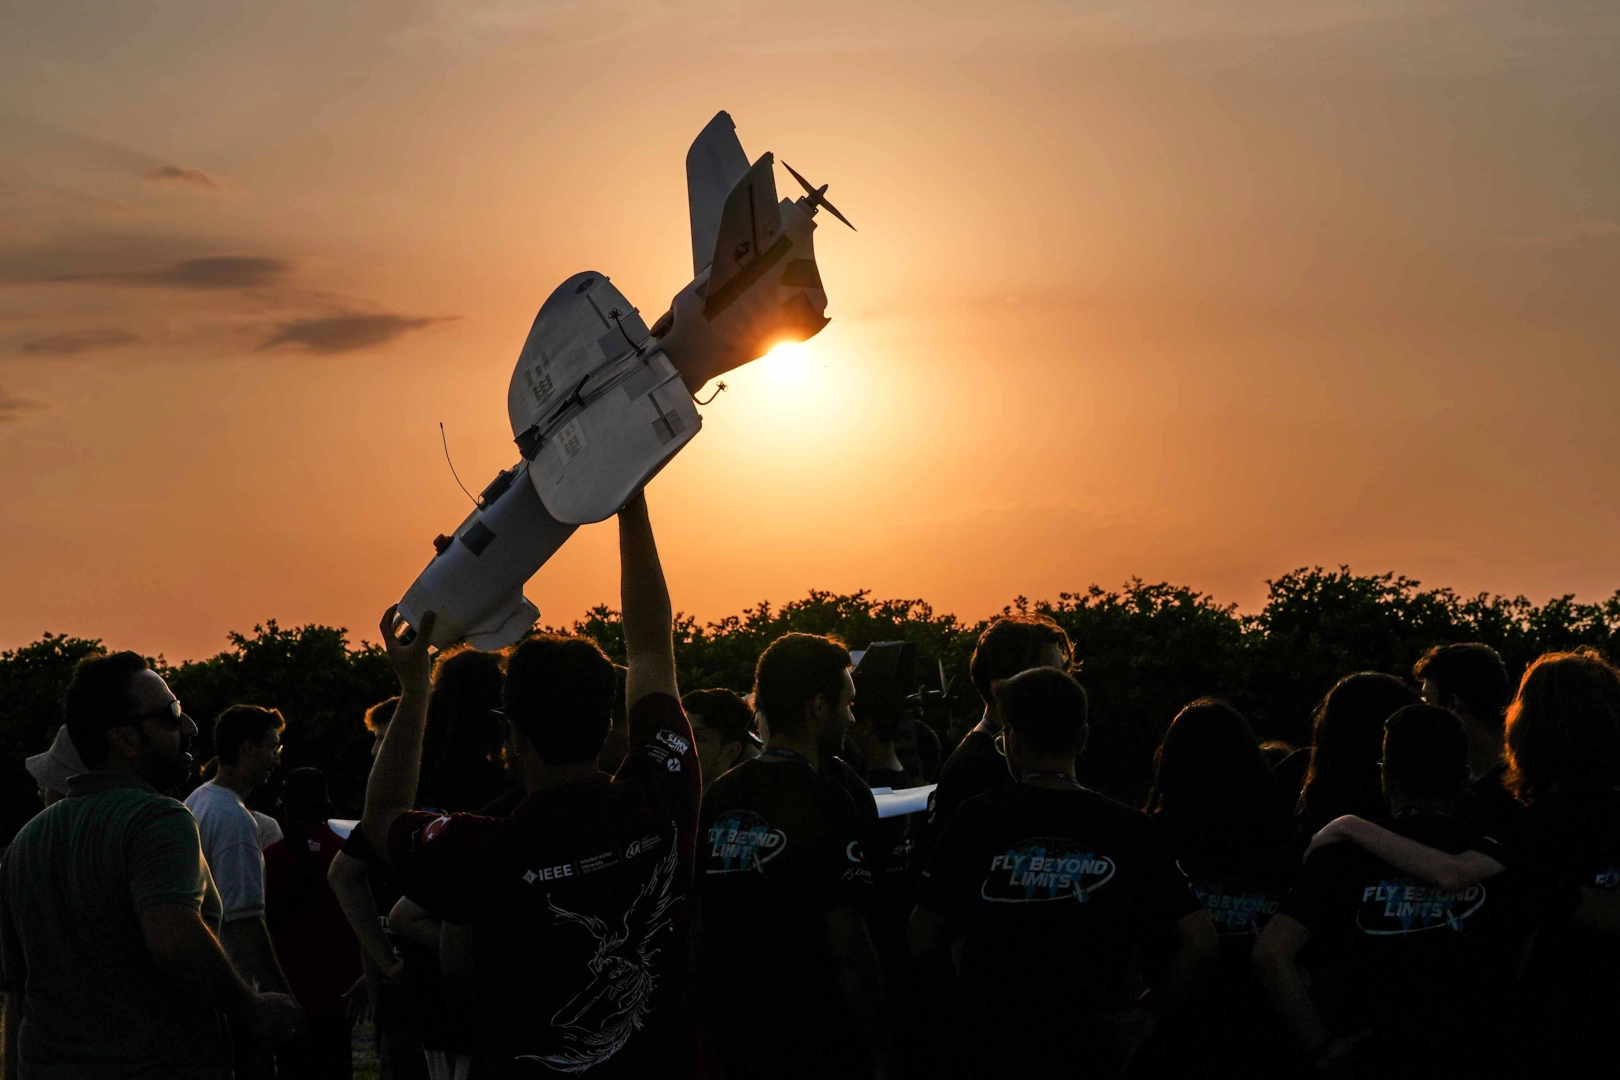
(230, 842)
(268, 827)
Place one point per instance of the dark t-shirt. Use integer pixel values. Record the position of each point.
(780, 845)
(579, 908)
(1574, 842)
(1240, 876)
(973, 769)
(317, 949)
(1489, 806)
(1054, 893)
(1429, 970)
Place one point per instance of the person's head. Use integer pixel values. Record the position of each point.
(559, 699)
(1016, 643)
(1211, 776)
(378, 717)
(52, 768)
(121, 715)
(1346, 741)
(304, 798)
(1044, 720)
(247, 741)
(1468, 679)
(1425, 757)
(463, 723)
(1563, 728)
(723, 725)
(803, 687)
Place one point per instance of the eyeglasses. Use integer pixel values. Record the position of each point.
(172, 712)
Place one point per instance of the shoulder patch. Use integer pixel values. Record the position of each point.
(433, 829)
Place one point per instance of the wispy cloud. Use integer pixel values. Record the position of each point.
(347, 332)
(74, 342)
(189, 179)
(211, 272)
(14, 406)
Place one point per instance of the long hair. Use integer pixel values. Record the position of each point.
(1563, 728)
(1211, 777)
(1347, 740)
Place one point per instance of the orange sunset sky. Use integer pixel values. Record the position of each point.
(1191, 291)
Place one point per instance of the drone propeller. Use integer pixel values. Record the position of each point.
(818, 196)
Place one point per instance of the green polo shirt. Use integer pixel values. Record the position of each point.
(95, 1004)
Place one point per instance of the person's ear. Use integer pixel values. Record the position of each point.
(731, 752)
(124, 741)
(817, 710)
(1085, 737)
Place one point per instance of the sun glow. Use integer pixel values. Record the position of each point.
(787, 363)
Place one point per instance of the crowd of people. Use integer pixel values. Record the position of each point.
(566, 867)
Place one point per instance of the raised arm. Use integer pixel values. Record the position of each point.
(391, 789)
(649, 638)
(350, 879)
(1406, 855)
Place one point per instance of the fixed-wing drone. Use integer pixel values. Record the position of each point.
(599, 403)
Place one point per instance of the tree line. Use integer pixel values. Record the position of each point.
(1144, 650)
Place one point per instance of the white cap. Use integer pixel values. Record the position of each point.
(52, 768)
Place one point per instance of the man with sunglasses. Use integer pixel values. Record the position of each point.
(108, 913)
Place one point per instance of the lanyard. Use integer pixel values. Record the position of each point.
(791, 755)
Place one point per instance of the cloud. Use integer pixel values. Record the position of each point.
(348, 332)
(74, 342)
(211, 272)
(185, 177)
(13, 406)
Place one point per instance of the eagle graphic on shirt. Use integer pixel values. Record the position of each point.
(617, 995)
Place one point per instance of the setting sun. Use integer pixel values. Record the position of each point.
(788, 362)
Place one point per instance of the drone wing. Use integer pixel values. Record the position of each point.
(573, 336)
(714, 164)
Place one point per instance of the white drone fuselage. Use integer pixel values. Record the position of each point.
(599, 403)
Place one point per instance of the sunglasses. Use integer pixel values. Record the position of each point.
(171, 712)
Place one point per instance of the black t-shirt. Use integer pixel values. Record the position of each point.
(780, 845)
(1239, 875)
(1575, 842)
(1430, 970)
(1488, 805)
(579, 907)
(975, 767)
(1054, 893)
(1239, 878)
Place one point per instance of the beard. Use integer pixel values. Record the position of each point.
(163, 768)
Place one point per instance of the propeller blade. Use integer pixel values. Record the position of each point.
(817, 198)
(802, 181)
(833, 210)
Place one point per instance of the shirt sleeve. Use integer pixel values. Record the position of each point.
(842, 869)
(662, 758)
(444, 861)
(166, 860)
